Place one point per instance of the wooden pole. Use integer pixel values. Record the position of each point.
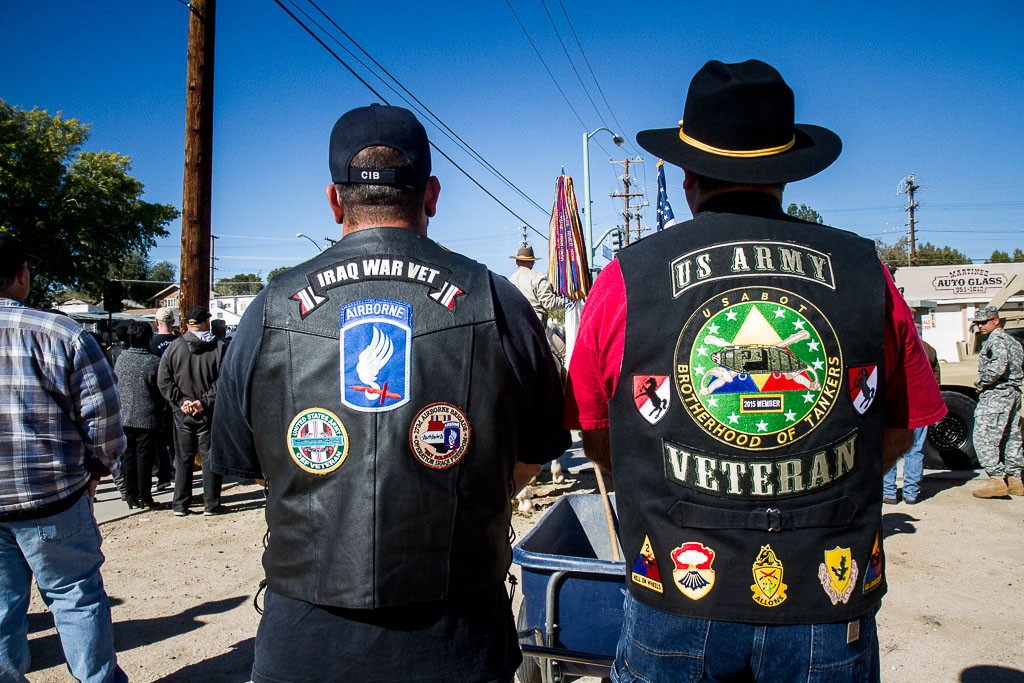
(608, 517)
(195, 202)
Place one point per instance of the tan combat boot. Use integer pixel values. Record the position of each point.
(995, 488)
(1015, 486)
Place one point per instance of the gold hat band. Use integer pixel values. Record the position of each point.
(737, 154)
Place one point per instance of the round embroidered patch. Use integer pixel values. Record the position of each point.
(317, 441)
(439, 436)
(758, 367)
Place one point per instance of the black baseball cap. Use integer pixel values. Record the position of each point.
(12, 255)
(380, 125)
(197, 315)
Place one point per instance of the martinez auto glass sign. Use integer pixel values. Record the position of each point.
(969, 281)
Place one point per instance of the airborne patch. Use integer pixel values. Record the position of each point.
(650, 396)
(769, 591)
(376, 351)
(692, 573)
(439, 436)
(645, 569)
(317, 441)
(863, 384)
(838, 574)
(873, 574)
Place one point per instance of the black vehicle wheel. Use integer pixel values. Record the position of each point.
(529, 670)
(950, 443)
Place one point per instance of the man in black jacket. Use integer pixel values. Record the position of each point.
(188, 380)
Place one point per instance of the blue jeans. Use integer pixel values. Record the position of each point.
(63, 552)
(913, 469)
(657, 647)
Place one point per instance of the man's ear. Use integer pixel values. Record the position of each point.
(430, 195)
(335, 201)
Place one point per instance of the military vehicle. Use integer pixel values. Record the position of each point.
(949, 444)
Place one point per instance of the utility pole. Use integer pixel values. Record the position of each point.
(195, 202)
(626, 181)
(908, 187)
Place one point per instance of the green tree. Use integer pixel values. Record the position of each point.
(277, 271)
(80, 212)
(804, 213)
(930, 255)
(999, 257)
(1018, 255)
(162, 273)
(243, 283)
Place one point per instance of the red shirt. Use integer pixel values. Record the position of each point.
(912, 397)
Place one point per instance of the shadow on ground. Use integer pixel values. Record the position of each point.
(234, 665)
(991, 674)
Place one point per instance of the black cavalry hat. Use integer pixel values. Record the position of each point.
(738, 127)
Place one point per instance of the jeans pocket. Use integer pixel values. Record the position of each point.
(65, 524)
(656, 646)
(835, 660)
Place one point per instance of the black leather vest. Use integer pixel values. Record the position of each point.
(746, 425)
(380, 404)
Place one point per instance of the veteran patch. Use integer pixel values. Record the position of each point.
(838, 574)
(645, 569)
(317, 441)
(439, 436)
(873, 574)
(376, 352)
(692, 572)
(650, 396)
(863, 384)
(758, 368)
(769, 591)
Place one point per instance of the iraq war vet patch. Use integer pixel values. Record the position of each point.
(863, 385)
(383, 267)
(439, 436)
(650, 396)
(873, 574)
(376, 354)
(692, 572)
(317, 441)
(838, 574)
(645, 569)
(758, 367)
(769, 591)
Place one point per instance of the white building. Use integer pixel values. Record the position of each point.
(945, 298)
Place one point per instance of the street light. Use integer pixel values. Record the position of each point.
(589, 236)
(318, 247)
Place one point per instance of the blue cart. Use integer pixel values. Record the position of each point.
(571, 614)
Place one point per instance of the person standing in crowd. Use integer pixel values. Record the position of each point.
(120, 343)
(913, 459)
(759, 374)
(220, 330)
(997, 438)
(165, 334)
(60, 432)
(412, 387)
(142, 410)
(164, 321)
(187, 378)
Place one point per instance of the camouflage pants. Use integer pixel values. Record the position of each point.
(997, 429)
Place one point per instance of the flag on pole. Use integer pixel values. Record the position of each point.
(568, 265)
(665, 216)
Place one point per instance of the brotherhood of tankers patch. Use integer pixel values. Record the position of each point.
(439, 436)
(758, 367)
(645, 569)
(838, 574)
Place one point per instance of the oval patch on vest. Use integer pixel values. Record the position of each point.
(758, 367)
(439, 436)
(317, 441)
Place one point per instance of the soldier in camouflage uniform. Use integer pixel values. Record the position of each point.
(997, 417)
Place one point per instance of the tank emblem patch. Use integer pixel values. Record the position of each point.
(769, 591)
(651, 395)
(692, 572)
(376, 351)
(863, 383)
(758, 368)
(439, 436)
(317, 441)
(645, 569)
(838, 574)
(873, 574)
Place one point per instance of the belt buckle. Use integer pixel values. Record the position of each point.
(774, 516)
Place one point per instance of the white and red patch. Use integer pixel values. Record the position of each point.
(651, 396)
(863, 383)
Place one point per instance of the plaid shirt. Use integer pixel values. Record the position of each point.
(58, 408)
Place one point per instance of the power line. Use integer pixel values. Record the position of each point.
(572, 64)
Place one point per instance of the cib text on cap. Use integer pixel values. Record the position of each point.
(386, 126)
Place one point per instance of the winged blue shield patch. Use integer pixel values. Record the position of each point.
(376, 348)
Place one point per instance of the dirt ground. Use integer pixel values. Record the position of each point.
(182, 588)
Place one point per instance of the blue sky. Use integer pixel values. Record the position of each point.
(935, 89)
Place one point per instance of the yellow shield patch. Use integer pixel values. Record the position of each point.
(838, 574)
(769, 591)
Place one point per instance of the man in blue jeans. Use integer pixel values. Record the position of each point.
(60, 431)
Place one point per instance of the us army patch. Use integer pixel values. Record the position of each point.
(650, 396)
(751, 259)
(873, 574)
(692, 573)
(769, 591)
(317, 441)
(439, 436)
(384, 267)
(758, 368)
(376, 351)
(838, 574)
(645, 569)
(863, 384)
